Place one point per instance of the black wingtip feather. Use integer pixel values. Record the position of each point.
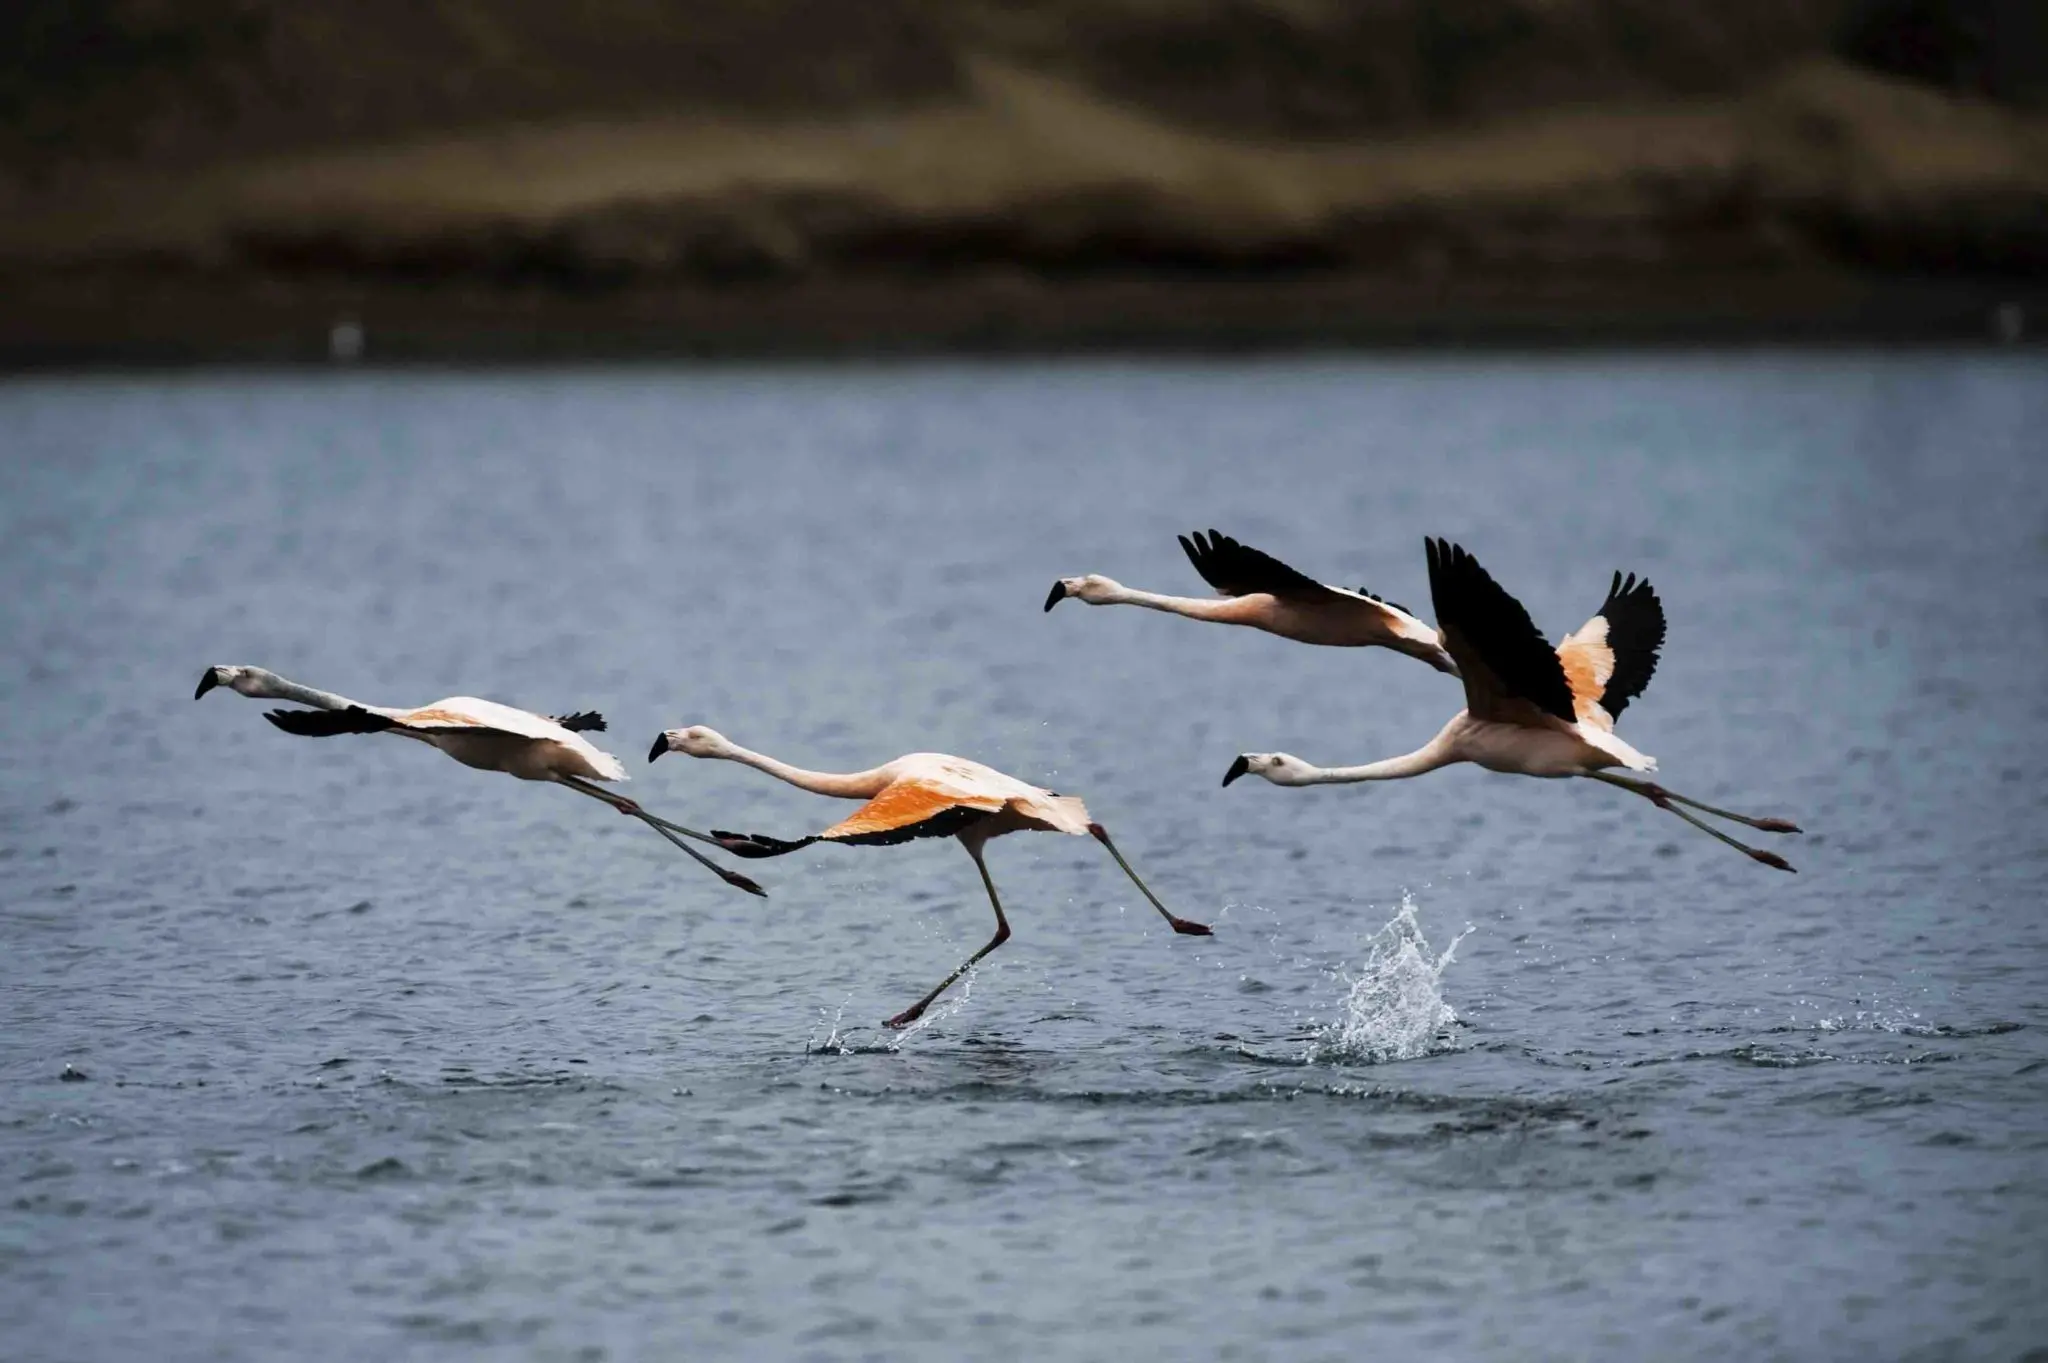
(757, 845)
(1239, 570)
(329, 723)
(1635, 631)
(1497, 627)
(586, 721)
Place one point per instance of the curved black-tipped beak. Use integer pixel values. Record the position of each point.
(1237, 769)
(1059, 594)
(660, 747)
(206, 683)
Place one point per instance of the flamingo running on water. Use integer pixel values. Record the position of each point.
(1531, 710)
(1259, 591)
(476, 733)
(922, 795)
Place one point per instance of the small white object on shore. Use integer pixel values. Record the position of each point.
(345, 340)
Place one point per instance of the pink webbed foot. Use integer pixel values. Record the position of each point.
(1188, 928)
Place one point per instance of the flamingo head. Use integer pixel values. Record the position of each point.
(247, 680)
(1094, 588)
(1282, 769)
(695, 741)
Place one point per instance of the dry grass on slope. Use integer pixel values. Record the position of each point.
(1033, 171)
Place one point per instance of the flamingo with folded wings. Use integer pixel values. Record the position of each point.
(922, 795)
(477, 733)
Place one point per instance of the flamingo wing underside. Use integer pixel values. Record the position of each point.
(467, 714)
(913, 809)
(1506, 663)
(1611, 658)
(903, 812)
(1635, 631)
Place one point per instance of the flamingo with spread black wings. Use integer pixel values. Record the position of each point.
(1260, 592)
(1532, 710)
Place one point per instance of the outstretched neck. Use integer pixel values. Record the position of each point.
(1428, 757)
(270, 686)
(1227, 609)
(858, 785)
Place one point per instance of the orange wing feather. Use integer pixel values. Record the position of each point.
(904, 804)
(1588, 664)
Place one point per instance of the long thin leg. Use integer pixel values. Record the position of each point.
(732, 878)
(1767, 825)
(662, 826)
(1658, 796)
(1180, 925)
(632, 807)
(1664, 800)
(916, 1010)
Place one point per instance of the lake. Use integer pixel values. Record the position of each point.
(338, 1050)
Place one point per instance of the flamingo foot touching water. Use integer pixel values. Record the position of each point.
(922, 795)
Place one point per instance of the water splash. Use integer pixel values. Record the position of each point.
(834, 1042)
(1393, 1009)
(1883, 1019)
(949, 1003)
(840, 1040)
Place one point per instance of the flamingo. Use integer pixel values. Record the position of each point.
(476, 733)
(1260, 591)
(1529, 710)
(921, 795)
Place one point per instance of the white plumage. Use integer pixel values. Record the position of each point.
(1531, 710)
(477, 733)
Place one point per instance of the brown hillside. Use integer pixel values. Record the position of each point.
(452, 149)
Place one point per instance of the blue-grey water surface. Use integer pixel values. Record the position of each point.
(376, 1057)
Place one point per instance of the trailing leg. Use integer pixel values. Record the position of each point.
(662, 826)
(1180, 925)
(1668, 802)
(1767, 825)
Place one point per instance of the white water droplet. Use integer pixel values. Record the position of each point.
(1394, 1009)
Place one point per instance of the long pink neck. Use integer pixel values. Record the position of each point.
(1431, 755)
(859, 785)
(1229, 610)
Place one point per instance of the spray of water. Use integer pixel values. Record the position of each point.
(951, 1002)
(840, 1040)
(1393, 1009)
(834, 1041)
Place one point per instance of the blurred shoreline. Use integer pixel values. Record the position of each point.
(431, 180)
(86, 323)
